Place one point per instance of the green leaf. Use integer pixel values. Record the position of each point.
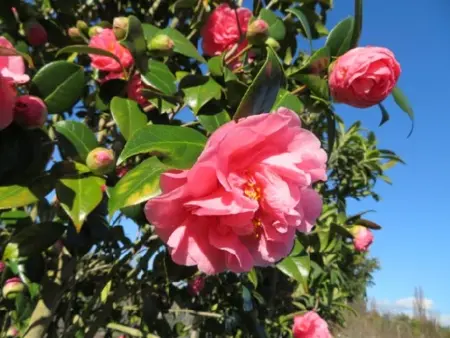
(358, 24)
(214, 121)
(135, 42)
(262, 93)
(89, 50)
(297, 249)
(60, 84)
(287, 100)
(180, 4)
(79, 196)
(182, 45)
(197, 96)
(128, 116)
(179, 146)
(253, 277)
(331, 131)
(15, 196)
(105, 292)
(137, 186)
(318, 62)
(384, 114)
(215, 65)
(277, 30)
(33, 239)
(296, 268)
(368, 224)
(15, 217)
(403, 103)
(76, 139)
(304, 22)
(339, 39)
(316, 84)
(150, 31)
(160, 77)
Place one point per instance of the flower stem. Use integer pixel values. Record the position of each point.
(238, 55)
(298, 90)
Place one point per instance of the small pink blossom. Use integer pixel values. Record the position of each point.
(196, 286)
(107, 40)
(12, 67)
(30, 111)
(310, 325)
(362, 239)
(242, 202)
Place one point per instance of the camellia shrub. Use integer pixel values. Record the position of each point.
(211, 128)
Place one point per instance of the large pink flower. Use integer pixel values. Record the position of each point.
(310, 325)
(107, 40)
(364, 76)
(7, 101)
(243, 200)
(223, 31)
(12, 67)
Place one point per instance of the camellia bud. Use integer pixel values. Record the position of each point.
(273, 43)
(101, 161)
(362, 238)
(74, 34)
(120, 27)
(35, 33)
(161, 45)
(258, 32)
(12, 288)
(94, 31)
(12, 332)
(30, 112)
(82, 26)
(2, 266)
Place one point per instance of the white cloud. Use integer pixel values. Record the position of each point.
(445, 319)
(408, 303)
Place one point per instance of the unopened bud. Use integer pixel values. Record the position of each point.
(12, 332)
(74, 34)
(35, 33)
(82, 26)
(273, 43)
(120, 27)
(161, 45)
(94, 31)
(12, 288)
(30, 111)
(258, 32)
(362, 238)
(101, 161)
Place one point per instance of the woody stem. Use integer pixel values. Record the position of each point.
(238, 55)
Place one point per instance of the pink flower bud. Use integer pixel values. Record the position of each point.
(310, 325)
(74, 34)
(120, 27)
(12, 332)
(196, 286)
(2, 266)
(134, 90)
(12, 288)
(121, 171)
(101, 161)
(35, 33)
(161, 45)
(258, 32)
(362, 238)
(30, 111)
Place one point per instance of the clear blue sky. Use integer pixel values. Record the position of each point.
(413, 245)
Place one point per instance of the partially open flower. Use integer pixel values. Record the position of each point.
(362, 238)
(101, 161)
(30, 111)
(12, 288)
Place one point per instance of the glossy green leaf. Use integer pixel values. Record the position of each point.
(277, 30)
(215, 65)
(76, 139)
(356, 34)
(88, 50)
(318, 62)
(384, 114)
(15, 217)
(137, 186)
(403, 102)
(339, 39)
(304, 22)
(136, 43)
(179, 147)
(79, 196)
(128, 116)
(287, 100)
(15, 196)
(296, 268)
(197, 96)
(297, 249)
(60, 84)
(213, 121)
(160, 77)
(262, 93)
(182, 44)
(316, 84)
(33, 239)
(253, 277)
(150, 31)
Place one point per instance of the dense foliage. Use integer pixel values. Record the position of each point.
(65, 200)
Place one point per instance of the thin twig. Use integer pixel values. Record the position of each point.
(197, 313)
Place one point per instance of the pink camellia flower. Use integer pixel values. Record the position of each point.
(310, 325)
(362, 238)
(7, 101)
(30, 111)
(12, 67)
(223, 31)
(35, 33)
(107, 40)
(243, 200)
(364, 76)
(134, 90)
(196, 286)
